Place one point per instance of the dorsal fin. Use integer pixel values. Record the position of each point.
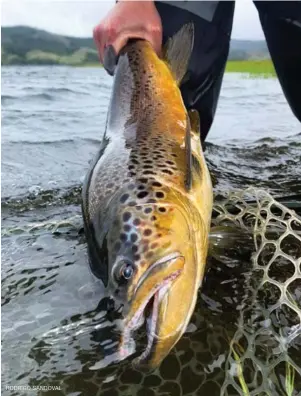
(178, 49)
(188, 156)
(195, 124)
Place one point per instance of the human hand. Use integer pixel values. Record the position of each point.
(127, 20)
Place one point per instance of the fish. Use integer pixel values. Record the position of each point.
(147, 197)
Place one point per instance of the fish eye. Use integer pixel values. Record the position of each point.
(127, 271)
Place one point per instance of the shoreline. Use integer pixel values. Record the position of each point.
(251, 67)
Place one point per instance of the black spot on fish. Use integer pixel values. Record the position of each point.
(134, 238)
(126, 216)
(134, 248)
(147, 232)
(148, 172)
(124, 197)
(143, 180)
(123, 237)
(167, 171)
(142, 194)
(157, 184)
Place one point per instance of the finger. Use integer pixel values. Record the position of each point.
(98, 35)
(155, 39)
(121, 40)
(153, 34)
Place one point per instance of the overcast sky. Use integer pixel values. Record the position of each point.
(77, 18)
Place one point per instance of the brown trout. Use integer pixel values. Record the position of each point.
(147, 199)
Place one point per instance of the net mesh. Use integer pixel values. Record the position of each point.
(265, 352)
(263, 356)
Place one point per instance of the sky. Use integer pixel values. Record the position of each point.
(77, 18)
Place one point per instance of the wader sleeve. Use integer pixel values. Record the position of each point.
(212, 26)
(281, 23)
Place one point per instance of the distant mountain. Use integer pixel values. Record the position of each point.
(23, 45)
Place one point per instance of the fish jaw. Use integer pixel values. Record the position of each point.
(150, 293)
(157, 349)
(171, 312)
(172, 306)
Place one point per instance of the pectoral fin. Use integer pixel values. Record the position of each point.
(188, 154)
(195, 124)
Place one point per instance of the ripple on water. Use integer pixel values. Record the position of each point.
(54, 328)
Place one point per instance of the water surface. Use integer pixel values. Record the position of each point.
(54, 328)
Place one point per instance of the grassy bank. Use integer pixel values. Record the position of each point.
(86, 57)
(253, 67)
(260, 68)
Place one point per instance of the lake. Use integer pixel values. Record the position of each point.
(54, 328)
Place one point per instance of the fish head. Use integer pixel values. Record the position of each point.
(152, 273)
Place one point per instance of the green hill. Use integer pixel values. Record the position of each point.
(22, 45)
(28, 46)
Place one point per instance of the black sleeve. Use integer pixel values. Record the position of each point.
(281, 23)
(212, 30)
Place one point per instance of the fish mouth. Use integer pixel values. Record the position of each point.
(149, 309)
(152, 314)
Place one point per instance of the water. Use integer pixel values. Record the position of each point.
(54, 328)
